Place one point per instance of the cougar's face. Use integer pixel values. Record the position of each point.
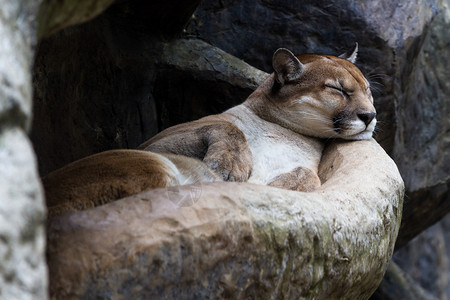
(330, 98)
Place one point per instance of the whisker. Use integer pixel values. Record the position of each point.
(376, 84)
(311, 116)
(333, 130)
(376, 81)
(374, 74)
(378, 129)
(376, 88)
(377, 76)
(335, 121)
(376, 91)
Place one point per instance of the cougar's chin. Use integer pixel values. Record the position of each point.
(365, 135)
(357, 130)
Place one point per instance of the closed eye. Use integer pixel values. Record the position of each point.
(339, 89)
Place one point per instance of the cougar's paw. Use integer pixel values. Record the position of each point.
(231, 164)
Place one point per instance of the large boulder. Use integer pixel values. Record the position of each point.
(237, 240)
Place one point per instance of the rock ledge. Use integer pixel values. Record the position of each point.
(238, 240)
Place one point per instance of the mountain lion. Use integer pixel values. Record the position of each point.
(276, 137)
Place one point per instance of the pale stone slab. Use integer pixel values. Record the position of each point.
(238, 240)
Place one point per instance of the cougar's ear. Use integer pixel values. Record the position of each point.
(352, 57)
(287, 67)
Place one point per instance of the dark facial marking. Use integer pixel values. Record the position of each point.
(338, 121)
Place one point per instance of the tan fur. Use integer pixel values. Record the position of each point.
(214, 140)
(274, 138)
(308, 98)
(315, 118)
(115, 174)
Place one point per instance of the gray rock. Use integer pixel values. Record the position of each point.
(237, 240)
(421, 269)
(426, 259)
(423, 136)
(399, 285)
(23, 272)
(16, 55)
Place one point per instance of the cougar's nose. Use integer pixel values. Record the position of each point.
(367, 117)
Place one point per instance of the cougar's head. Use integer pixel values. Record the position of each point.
(322, 96)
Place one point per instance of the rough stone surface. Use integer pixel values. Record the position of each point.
(423, 138)
(423, 159)
(237, 241)
(399, 285)
(23, 272)
(427, 259)
(17, 29)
